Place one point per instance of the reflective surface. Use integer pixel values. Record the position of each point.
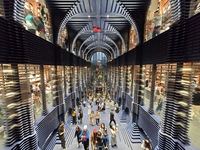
(37, 19)
(158, 18)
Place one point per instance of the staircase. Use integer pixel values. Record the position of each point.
(135, 134)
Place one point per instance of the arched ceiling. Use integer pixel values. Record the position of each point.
(111, 16)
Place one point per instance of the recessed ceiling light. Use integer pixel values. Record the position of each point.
(89, 16)
(107, 16)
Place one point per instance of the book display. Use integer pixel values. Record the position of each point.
(49, 79)
(79, 76)
(192, 79)
(35, 84)
(121, 77)
(76, 75)
(124, 78)
(64, 38)
(160, 84)
(37, 19)
(68, 79)
(136, 82)
(132, 39)
(128, 78)
(60, 82)
(147, 80)
(1, 9)
(158, 18)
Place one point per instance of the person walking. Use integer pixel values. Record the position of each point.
(112, 117)
(85, 137)
(94, 139)
(61, 134)
(77, 134)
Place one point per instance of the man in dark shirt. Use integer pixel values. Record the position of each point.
(112, 117)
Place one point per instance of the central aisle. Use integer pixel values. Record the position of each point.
(105, 118)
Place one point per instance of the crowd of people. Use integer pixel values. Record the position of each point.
(102, 137)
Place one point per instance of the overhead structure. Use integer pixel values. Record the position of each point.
(101, 21)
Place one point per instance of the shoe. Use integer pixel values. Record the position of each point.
(78, 145)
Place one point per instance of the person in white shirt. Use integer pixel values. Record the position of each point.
(157, 23)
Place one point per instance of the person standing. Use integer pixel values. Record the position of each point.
(102, 127)
(100, 141)
(85, 137)
(89, 108)
(80, 116)
(74, 116)
(157, 23)
(114, 131)
(106, 139)
(97, 116)
(146, 145)
(92, 118)
(61, 134)
(77, 134)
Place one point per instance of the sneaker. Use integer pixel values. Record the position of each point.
(78, 145)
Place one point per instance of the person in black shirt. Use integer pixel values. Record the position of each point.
(112, 118)
(80, 116)
(100, 141)
(77, 133)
